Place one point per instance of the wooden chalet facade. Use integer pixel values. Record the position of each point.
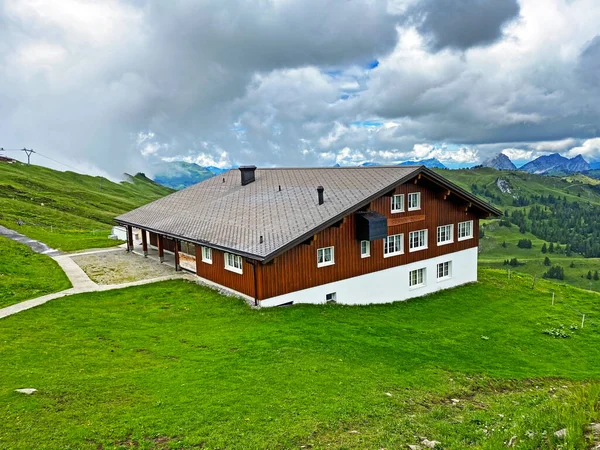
(361, 235)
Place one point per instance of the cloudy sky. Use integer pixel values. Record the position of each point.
(118, 85)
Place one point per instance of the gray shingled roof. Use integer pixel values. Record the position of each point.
(227, 215)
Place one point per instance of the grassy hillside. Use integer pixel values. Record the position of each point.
(66, 210)
(522, 184)
(174, 365)
(25, 274)
(531, 261)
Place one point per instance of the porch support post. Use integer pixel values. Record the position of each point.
(161, 247)
(129, 238)
(145, 242)
(176, 255)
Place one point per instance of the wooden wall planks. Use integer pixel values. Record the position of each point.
(297, 268)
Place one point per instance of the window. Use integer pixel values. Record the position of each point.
(233, 262)
(325, 257)
(443, 270)
(393, 245)
(188, 248)
(398, 203)
(414, 201)
(331, 298)
(465, 230)
(365, 249)
(417, 240)
(416, 278)
(445, 234)
(207, 255)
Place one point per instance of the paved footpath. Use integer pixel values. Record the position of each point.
(79, 280)
(36, 246)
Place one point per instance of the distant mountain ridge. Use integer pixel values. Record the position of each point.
(180, 174)
(500, 162)
(431, 163)
(556, 163)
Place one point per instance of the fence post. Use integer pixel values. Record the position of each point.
(552, 298)
(509, 274)
(533, 285)
(582, 320)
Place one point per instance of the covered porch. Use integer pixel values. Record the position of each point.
(166, 250)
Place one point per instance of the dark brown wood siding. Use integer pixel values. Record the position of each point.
(297, 268)
(217, 273)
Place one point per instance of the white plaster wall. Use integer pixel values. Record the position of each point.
(388, 285)
(119, 232)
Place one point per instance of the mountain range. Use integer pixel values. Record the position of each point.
(554, 164)
(180, 174)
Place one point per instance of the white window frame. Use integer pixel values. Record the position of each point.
(324, 263)
(399, 197)
(418, 273)
(366, 251)
(232, 262)
(416, 195)
(397, 238)
(331, 297)
(449, 234)
(462, 224)
(418, 233)
(446, 271)
(207, 255)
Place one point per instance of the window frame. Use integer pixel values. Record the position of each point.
(464, 238)
(187, 245)
(367, 253)
(207, 259)
(326, 263)
(417, 284)
(236, 258)
(448, 271)
(396, 252)
(449, 234)
(402, 208)
(418, 196)
(424, 246)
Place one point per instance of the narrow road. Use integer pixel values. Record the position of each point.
(79, 280)
(36, 246)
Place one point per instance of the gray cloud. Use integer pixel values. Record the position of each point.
(462, 24)
(113, 86)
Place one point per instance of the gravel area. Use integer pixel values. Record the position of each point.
(120, 267)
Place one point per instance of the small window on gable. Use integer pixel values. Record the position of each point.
(325, 257)
(393, 245)
(207, 255)
(417, 240)
(398, 203)
(414, 201)
(445, 234)
(233, 262)
(365, 249)
(465, 230)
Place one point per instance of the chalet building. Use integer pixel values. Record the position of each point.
(348, 235)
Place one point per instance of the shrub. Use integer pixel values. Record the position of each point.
(524, 243)
(544, 248)
(556, 272)
(547, 261)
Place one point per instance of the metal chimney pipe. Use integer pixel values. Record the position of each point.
(320, 190)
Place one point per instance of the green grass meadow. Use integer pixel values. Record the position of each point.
(25, 274)
(175, 365)
(66, 210)
(493, 254)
